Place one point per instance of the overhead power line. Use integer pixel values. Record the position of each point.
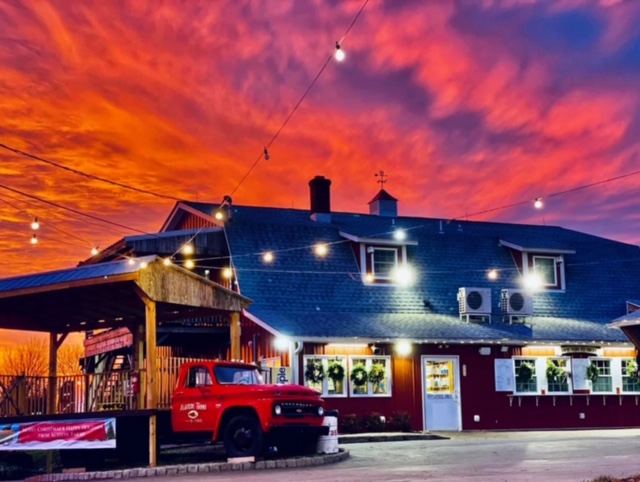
(86, 174)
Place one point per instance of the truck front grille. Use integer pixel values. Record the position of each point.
(298, 409)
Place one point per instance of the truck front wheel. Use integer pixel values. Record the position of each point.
(243, 437)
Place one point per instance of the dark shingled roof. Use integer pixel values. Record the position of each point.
(301, 295)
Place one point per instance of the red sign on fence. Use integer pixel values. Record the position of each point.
(63, 434)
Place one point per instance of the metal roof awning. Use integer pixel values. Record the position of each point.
(109, 295)
(630, 326)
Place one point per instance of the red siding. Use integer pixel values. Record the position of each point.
(189, 221)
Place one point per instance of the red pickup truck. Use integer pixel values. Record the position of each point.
(230, 402)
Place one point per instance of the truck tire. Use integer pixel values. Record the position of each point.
(243, 437)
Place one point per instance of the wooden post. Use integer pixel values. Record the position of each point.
(234, 325)
(138, 361)
(150, 378)
(53, 369)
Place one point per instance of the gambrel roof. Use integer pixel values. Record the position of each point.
(307, 297)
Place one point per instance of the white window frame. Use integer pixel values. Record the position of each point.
(567, 360)
(612, 372)
(539, 364)
(623, 375)
(559, 271)
(325, 359)
(369, 360)
(373, 266)
(555, 268)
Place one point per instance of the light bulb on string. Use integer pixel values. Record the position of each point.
(131, 261)
(189, 264)
(94, 251)
(34, 239)
(187, 249)
(166, 261)
(35, 224)
(537, 203)
(340, 55)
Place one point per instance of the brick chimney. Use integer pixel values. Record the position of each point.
(320, 191)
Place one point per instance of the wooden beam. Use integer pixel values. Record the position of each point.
(234, 324)
(61, 339)
(70, 284)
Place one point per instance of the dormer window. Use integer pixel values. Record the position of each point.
(381, 259)
(383, 262)
(545, 260)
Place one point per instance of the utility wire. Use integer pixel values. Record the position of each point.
(85, 174)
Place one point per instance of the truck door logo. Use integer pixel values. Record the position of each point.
(192, 414)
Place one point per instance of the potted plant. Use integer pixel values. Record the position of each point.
(359, 376)
(592, 372)
(376, 376)
(555, 373)
(335, 373)
(314, 372)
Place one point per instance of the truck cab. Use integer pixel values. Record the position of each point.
(230, 402)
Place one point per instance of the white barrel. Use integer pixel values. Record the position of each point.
(328, 444)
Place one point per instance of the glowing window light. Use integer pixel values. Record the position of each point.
(400, 234)
(321, 249)
(533, 281)
(35, 224)
(280, 343)
(227, 273)
(403, 275)
(34, 239)
(189, 264)
(267, 257)
(403, 348)
(166, 261)
(187, 249)
(339, 54)
(538, 203)
(492, 274)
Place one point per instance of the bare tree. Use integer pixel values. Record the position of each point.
(31, 358)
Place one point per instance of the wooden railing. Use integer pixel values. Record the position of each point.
(25, 395)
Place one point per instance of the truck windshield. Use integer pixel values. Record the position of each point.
(229, 375)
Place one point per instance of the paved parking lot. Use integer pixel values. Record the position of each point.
(516, 456)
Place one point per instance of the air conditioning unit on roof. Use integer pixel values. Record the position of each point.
(516, 302)
(474, 301)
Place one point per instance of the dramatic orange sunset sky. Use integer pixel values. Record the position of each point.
(467, 105)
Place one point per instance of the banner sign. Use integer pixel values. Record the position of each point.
(95, 433)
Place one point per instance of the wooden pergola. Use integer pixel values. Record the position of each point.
(136, 295)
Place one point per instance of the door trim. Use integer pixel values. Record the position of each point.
(423, 383)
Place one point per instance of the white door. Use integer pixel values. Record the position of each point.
(441, 389)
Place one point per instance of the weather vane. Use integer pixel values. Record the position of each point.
(383, 178)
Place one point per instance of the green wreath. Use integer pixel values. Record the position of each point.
(359, 375)
(555, 373)
(632, 369)
(592, 372)
(377, 373)
(335, 371)
(525, 372)
(314, 372)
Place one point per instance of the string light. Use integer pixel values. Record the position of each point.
(189, 264)
(400, 234)
(267, 257)
(94, 251)
(187, 249)
(34, 239)
(339, 54)
(227, 273)
(35, 224)
(321, 249)
(144, 264)
(537, 203)
(266, 154)
(131, 261)
(492, 274)
(166, 261)
(219, 216)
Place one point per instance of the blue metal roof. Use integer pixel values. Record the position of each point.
(72, 274)
(301, 295)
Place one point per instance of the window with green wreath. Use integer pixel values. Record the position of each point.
(557, 373)
(370, 376)
(525, 375)
(327, 374)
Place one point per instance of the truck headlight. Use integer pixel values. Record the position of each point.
(277, 409)
(320, 410)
